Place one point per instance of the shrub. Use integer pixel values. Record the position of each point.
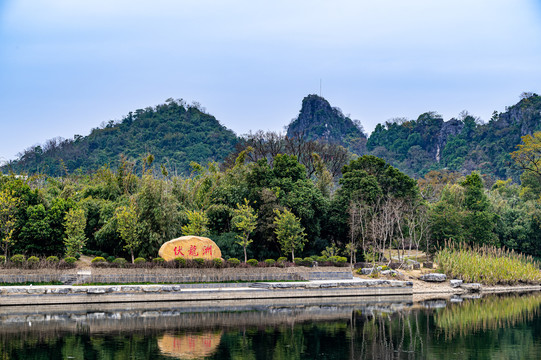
(71, 260)
(97, 259)
(111, 259)
(199, 262)
(33, 261)
(120, 261)
(233, 262)
(281, 259)
(308, 261)
(139, 260)
(102, 254)
(181, 262)
(218, 262)
(298, 261)
(52, 259)
(18, 259)
(270, 262)
(2, 259)
(322, 259)
(158, 260)
(252, 262)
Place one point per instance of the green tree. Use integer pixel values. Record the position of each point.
(8, 208)
(289, 232)
(127, 227)
(197, 224)
(245, 220)
(75, 222)
(528, 155)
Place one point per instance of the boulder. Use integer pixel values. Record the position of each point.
(456, 283)
(190, 247)
(433, 277)
(473, 287)
(368, 271)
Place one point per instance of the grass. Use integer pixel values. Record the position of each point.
(180, 283)
(32, 283)
(487, 265)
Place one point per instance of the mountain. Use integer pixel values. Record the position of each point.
(317, 120)
(465, 144)
(177, 134)
(174, 133)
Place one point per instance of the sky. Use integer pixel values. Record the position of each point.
(67, 66)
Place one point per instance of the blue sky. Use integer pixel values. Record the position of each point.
(66, 66)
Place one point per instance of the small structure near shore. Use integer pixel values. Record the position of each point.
(190, 247)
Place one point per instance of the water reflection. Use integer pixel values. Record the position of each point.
(190, 345)
(491, 327)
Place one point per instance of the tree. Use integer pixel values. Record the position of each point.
(528, 155)
(75, 222)
(8, 208)
(289, 232)
(126, 217)
(245, 220)
(197, 224)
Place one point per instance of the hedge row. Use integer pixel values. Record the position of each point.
(179, 262)
(33, 262)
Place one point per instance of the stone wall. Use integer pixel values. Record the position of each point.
(164, 275)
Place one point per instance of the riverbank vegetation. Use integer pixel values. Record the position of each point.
(360, 212)
(488, 265)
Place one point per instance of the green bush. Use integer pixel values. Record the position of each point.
(33, 260)
(2, 259)
(139, 260)
(110, 259)
(18, 259)
(322, 259)
(181, 262)
(71, 260)
(252, 262)
(298, 261)
(97, 259)
(52, 259)
(200, 262)
(218, 262)
(233, 262)
(158, 260)
(270, 262)
(308, 261)
(281, 259)
(120, 261)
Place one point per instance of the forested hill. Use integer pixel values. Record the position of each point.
(174, 133)
(177, 134)
(317, 120)
(464, 144)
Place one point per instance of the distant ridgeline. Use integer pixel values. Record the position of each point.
(464, 144)
(174, 133)
(177, 134)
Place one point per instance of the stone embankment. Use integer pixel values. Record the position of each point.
(66, 294)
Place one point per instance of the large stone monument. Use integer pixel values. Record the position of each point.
(190, 247)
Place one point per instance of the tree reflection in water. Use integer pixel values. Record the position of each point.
(492, 327)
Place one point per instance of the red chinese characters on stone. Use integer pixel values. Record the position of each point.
(207, 250)
(193, 251)
(178, 250)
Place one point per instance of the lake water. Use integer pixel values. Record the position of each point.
(492, 327)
